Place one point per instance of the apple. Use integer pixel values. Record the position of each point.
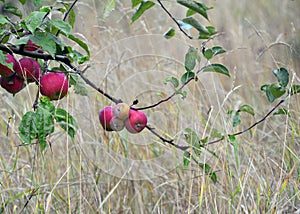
(54, 85)
(6, 71)
(30, 46)
(12, 84)
(136, 122)
(28, 69)
(105, 117)
(121, 111)
(116, 124)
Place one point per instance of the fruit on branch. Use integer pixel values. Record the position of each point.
(54, 85)
(136, 122)
(121, 111)
(6, 71)
(105, 116)
(12, 84)
(30, 46)
(28, 69)
(116, 124)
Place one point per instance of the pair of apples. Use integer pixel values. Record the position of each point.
(115, 118)
(54, 84)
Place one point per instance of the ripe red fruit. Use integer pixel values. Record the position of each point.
(54, 85)
(28, 68)
(105, 117)
(136, 122)
(6, 71)
(12, 84)
(30, 46)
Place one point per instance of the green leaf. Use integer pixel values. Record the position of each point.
(45, 103)
(218, 68)
(3, 20)
(46, 41)
(145, 5)
(195, 6)
(62, 26)
(81, 43)
(12, 10)
(235, 117)
(294, 89)
(66, 122)
(109, 7)
(190, 58)
(186, 159)
(276, 90)
(195, 24)
(80, 87)
(37, 3)
(282, 75)
(28, 128)
(247, 108)
(45, 125)
(22, 1)
(266, 89)
(190, 12)
(208, 171)
(193, 140)
(182, 93)
(211, 31)
(173, 80)
(34, 20)
(72, 16)
(282, 111)
(169, 34)
(210, 53)
(187, 76)
(3, 61)
(134, 3)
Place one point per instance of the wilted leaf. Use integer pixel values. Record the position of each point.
(145, 5)
(216, 68)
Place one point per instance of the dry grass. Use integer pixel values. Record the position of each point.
(123, 173)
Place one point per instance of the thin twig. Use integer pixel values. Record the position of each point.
(177, 23)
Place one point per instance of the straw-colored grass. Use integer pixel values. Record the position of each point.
(102, 172)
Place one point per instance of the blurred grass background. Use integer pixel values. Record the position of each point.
(122, 173)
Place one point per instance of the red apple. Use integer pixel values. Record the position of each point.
(54, 85)
(105, 117)
(136, 122)
(121, 110)
(6, 71)
(28, 69)
(30, 46)
(12, 84)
